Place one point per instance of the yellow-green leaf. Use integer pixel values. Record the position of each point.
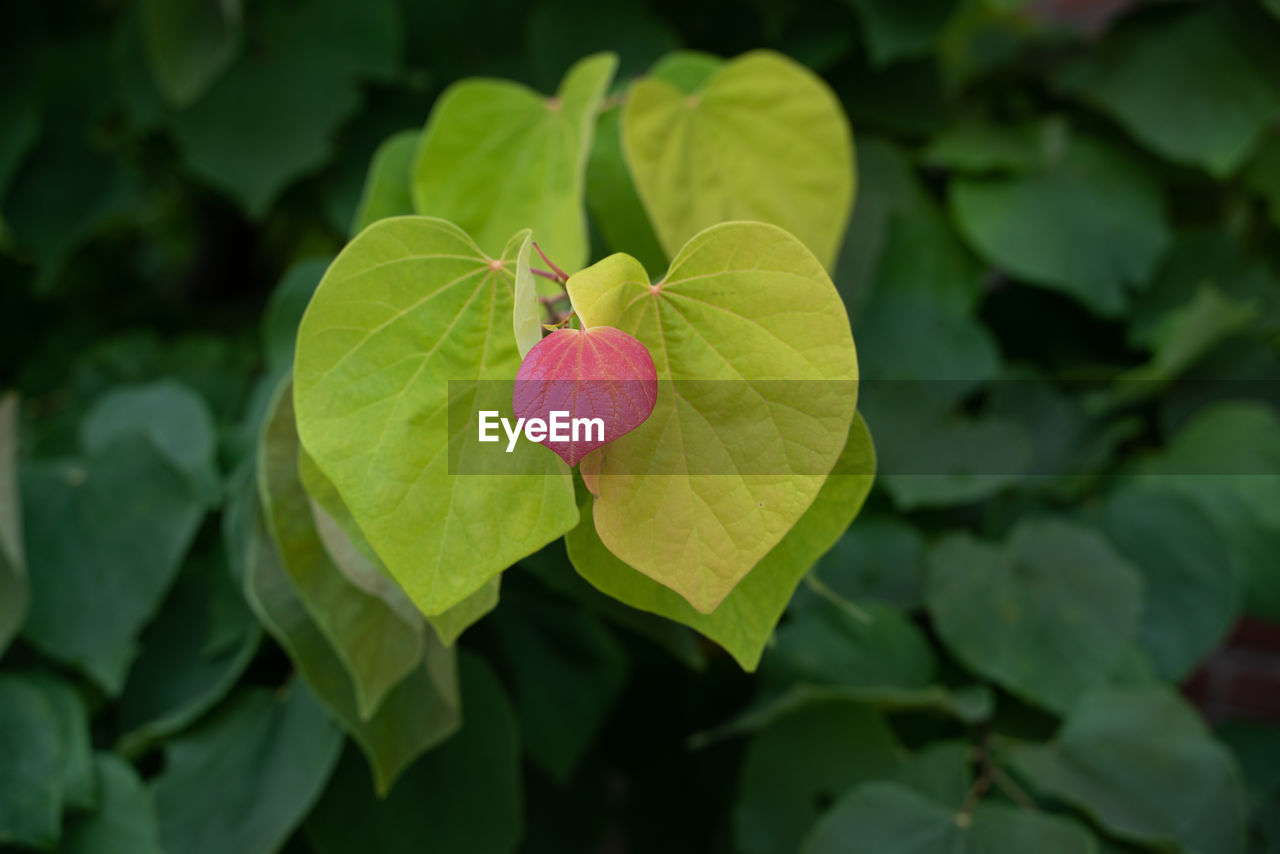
(497, 157)
(757, 391)
(763, 138)
(409, 306)
(369, 621)
(744, 621)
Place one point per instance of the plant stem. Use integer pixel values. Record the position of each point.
(561, 275)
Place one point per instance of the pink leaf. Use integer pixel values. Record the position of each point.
(599, 373)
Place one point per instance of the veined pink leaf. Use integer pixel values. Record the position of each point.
(599, 373)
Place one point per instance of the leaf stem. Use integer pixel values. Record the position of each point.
(544, 274)
(561, 276)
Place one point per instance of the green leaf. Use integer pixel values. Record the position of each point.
(889, 818)
(923, 259)
(352, 553)
(284, 312)
(108, 535)
(387, 187)
(612, 198)
(268, 121)
(869, 645)
(20, 120)
(271, 118)
(462, 798)
(803, 762)
(880, 558)
(245, 778)
(762, 139)
(718, 316)
(67, 707)
(421, 711)
(687, 70)
(189, 44)
(972, 704)
(1140, 762)
(744, 621)
(1263, 177)
(887, 188)
(1047, 615)
(942, 771)
(14, 589)
(1192, 584)
(568, 669)
(1198, 87)
(555, 571)
(527, 315)
(975, 147)
(934, 453)
(32, 755)
(191, 654)
(1189, 332)
(371, 624)
(497, 157)
(125, 820)
(409, 305)
(172, 416)
(1216, 461)
(897, 30)
(1091, 224)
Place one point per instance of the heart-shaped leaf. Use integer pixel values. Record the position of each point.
(370, 623)
(599, 375)
(497, 157)
(410, 319)
(756, 344)
(763, 138)
(744, 621)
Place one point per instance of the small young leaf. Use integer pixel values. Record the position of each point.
(596, 374)
(409, 306)
(762, 139)
(497, 157)
(527, 316)
(746, 310)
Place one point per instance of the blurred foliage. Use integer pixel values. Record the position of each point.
(1066, 223)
